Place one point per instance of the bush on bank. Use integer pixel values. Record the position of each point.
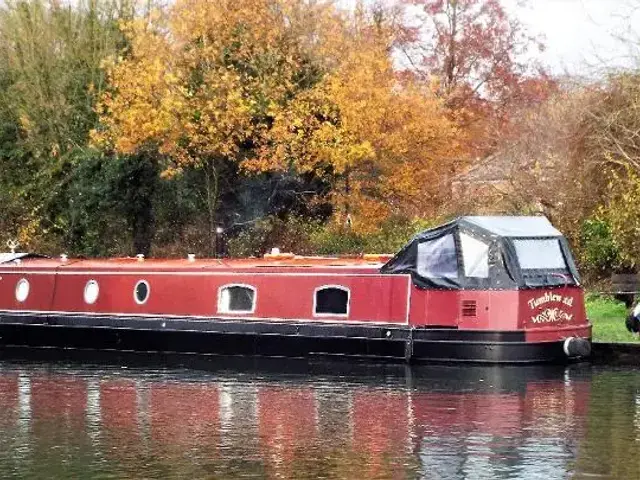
(312, 237)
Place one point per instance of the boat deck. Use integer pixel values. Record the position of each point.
(361, 264)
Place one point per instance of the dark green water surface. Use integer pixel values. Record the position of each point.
(287, 420)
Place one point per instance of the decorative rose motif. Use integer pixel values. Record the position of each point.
(552, 315)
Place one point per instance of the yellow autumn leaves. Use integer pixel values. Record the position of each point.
(281, 85)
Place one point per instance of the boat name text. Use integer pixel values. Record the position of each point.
(549, 297)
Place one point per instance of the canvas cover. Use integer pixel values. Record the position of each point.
(476, 252)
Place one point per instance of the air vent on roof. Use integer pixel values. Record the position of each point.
(469, 308)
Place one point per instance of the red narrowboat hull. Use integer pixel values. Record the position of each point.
(386, 317)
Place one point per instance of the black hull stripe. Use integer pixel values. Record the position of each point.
(253, 327)
(221, 337)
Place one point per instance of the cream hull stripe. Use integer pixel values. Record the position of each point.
(196, 318)
(204, 273)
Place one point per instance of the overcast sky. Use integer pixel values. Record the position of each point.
(580, 34)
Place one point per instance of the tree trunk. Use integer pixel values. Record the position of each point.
(451, 57)
(141, 184)
(212, 191)
(347, 199)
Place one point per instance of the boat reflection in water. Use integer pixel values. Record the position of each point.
(432, 422)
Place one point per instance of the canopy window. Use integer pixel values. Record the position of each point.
(438, 258)
(540, 254)
(475, 257)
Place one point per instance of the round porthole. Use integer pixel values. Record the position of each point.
(91, 291)
(141, 292)
(22, 290)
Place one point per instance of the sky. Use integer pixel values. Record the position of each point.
(581, 36)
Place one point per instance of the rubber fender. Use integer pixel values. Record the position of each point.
(577, 347)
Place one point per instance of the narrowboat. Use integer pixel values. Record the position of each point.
(477, 289)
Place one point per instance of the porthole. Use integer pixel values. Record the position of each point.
(22, 290)
(91, 292)
(141, 292)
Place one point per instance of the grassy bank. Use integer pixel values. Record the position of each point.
(608, 316)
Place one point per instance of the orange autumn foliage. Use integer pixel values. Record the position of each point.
(282, 85)
(195, 79)
(388, 144)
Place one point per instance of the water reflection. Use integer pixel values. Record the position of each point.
(441, 422)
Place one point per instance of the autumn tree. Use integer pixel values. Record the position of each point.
(278, 86)
(476, 54)
(543, 163)
(202, 81)
(611, 142)
(576, 159)
(384, 142)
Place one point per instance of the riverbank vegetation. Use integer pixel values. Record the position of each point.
(133, 126)
(607, 316)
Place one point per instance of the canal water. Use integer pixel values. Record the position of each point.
(223, 420)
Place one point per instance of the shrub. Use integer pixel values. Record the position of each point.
(308, 237)
(598, 253)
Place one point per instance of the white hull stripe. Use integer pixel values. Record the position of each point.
(204, 273)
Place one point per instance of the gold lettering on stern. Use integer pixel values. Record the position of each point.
(551, 314)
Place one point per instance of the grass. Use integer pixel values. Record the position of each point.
(608, 316)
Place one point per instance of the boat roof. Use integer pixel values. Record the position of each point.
(364, 263)
(512, 226)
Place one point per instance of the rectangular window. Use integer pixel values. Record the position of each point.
(437, 258)
(475, 256)
(540, 254)
(331, 301)
(237, 299)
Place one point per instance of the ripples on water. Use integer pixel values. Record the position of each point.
(73, 420)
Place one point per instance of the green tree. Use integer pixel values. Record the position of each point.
(51, 56)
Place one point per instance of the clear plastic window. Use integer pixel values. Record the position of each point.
(437, 258)
(475, 256)
(236, 299)
(540, 254)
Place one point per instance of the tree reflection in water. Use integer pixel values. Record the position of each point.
(337, 421)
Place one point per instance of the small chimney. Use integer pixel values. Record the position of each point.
(220, 245)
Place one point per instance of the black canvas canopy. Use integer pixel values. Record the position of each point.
(493, 252)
